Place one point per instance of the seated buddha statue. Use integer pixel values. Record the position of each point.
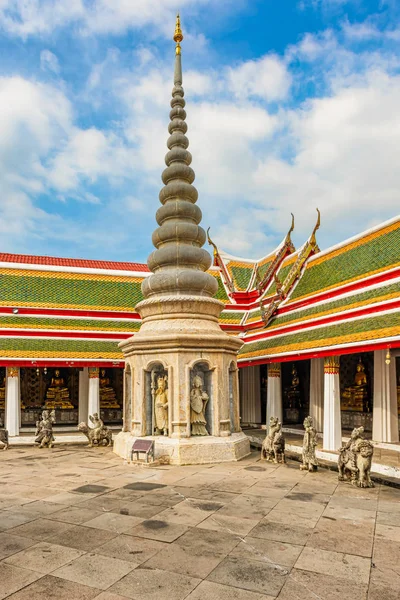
(57, 395)
(292, 392)
(107, 393)
(3, 395)
(355, 397)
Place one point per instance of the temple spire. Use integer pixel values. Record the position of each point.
(179, 263)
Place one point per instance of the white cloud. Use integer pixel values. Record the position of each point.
(49, 61)
(266, 78)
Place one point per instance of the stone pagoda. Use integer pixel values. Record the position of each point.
(181, 378)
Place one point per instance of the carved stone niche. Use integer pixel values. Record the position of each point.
(201, 400)
(233, 388)
(156, 390)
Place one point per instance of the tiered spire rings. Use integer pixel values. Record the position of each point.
(179, 263)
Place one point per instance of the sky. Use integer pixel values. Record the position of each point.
(291, 105)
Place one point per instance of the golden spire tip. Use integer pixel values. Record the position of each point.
(178, 35)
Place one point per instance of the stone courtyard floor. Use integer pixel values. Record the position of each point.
(78, 523)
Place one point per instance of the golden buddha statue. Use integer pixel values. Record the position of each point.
(57, 395)
(107, 393)
(3, 395)
(355, 397)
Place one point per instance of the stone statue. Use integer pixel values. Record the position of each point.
(98, 434)
(4, 443)
(355, 459)
(57, 395)
(44, 429)
(198, 403)
(161, 405)
(273, 447)
(355, 397)
(310, 462)
(107, 393)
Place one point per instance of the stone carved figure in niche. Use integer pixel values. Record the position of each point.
(273, 447)
(98, 434)
(355, 459)
(160, 395)
(198, 403)
(355, 397)
(44, 429)
(310, 462)
(4, 443)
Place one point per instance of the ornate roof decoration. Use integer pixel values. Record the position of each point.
(285, 249)
(282, 289)
(218, 262)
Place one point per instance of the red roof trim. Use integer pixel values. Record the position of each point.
(73, 262)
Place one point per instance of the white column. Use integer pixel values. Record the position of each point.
(274, 392)
(94, 391)
(13, 402)
(385, 425)
(317, 392)
(250, 395)
(332, 438)
(83, 395)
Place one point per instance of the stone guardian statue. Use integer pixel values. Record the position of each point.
(273, 447)
(355, 459)
(44, 429)
(310, 462)
(198, 403)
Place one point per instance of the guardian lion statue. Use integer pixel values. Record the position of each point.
(97, 435)
(273, 447)
(355, 460)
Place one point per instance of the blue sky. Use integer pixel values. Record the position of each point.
(291, 105)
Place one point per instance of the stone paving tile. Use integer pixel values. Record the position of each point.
(131, 549)
(41, 508)
(74, 515)
(10, 519)
(188, 513)
(11, 544)
(83, 538)
(342, 535)
(14, 578)
(387, 532)
(43, 557)
(337, 564)
(155, 584)
(271, 553)
(110, 596)
(154, 529)
(204, 541)
(236, 525)
(185, 561)
(347, 512)
(306, 585)
(251, 575)
(216, 591)
(387, 518)
(54, 587)
(386, 554)
(41, 529)
(279, 532)
(114, 522)
(95, 570)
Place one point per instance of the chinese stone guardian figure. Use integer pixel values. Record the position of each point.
(355, 460)
(310, 462)
(161, 405)
(273, 447)
(44, 430)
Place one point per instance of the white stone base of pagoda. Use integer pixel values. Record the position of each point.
(188, 451)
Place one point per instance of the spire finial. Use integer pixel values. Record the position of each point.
(178, 35)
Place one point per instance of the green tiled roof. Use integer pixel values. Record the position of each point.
(241, 276)
(64, 348)
(69, 291)
(60, 323)
(371, 295)
(377, 253)
(228, 316)
(221, 292)
(276, 345)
